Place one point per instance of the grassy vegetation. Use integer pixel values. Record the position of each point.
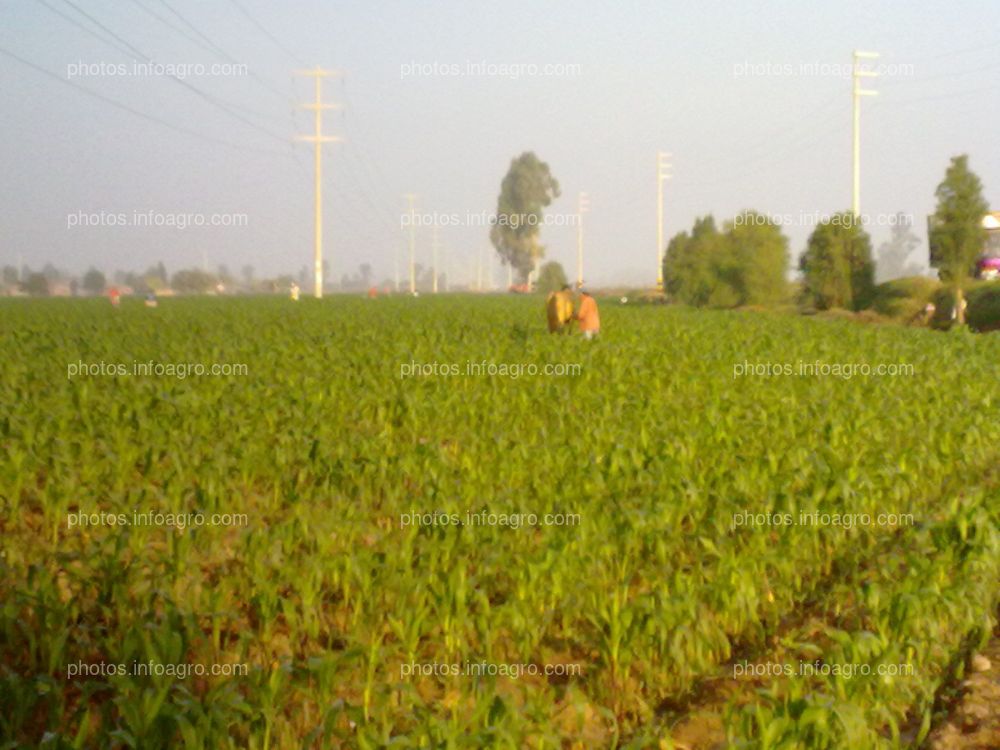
(334, 600)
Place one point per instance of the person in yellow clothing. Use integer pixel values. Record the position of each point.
(590, 319)
(559, 310)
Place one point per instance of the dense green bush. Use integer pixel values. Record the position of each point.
(744, 264)
(837, 266)
(983, 312)
(904, 299)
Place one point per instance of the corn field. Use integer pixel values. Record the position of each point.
(386, 519)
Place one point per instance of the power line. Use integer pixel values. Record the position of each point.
(788, 145)
(169, 25)
(96, 35)
(218, 50)
(268, 34)
(139, 113)
(217, 102)
(104, 28)
(370, 166)
(789, 148)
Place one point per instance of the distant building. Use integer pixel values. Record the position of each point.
(991, 223)
(989, 264)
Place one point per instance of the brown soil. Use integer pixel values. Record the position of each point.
(974, 720)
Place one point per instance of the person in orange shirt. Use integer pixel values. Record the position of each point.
(590, 319)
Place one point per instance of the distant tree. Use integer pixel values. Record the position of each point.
(893, 258)
(248, 274)
(193, 281)
(365, 273)
(525, 191)
(957, 235)
(160, 272)
(837, 266)
(758, 259)
(699, 269)
(551, 277)
(94, 281)
(9, 275)
(52, 273)
(37, 285)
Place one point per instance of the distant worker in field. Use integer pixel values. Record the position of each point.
(559, 310)
(590, 319)
(114, 296)
(294, 292)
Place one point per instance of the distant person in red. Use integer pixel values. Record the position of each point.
(372, 292)
(114, 296)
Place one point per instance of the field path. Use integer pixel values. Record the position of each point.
(974, 721)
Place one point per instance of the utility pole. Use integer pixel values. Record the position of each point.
(447, 270)
(318, 139)
(434, 259)
(662, 173)
(397, 269)
(582, 206)
(858, 93)
(410, 198)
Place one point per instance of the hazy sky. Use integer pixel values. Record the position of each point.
(720, 84)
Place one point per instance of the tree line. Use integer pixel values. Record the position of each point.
(746, 262)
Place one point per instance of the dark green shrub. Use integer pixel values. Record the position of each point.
(904, 299)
